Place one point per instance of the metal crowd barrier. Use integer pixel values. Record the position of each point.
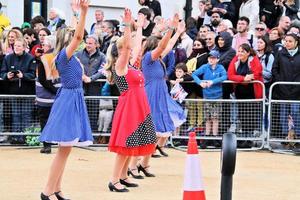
(101, 108)
(19, 115)
(248, 127)
(284, 121)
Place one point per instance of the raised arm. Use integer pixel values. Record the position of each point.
(124, 52)
(79, 30)
(173, 40)
(157, 52)
(138, 39)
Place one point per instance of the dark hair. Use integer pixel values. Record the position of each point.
(46, 30)
(296, 37)
(17, 28)
(246, 19)
(110, 24)
(202, 41)
(29, 31)
(151, 43)
(36, 20)
(114, 50)
(182, 66)
(0, 5)
(219, 13)
(248, 49)
(146, 3)
(268, 47)
(146, 12)
(191, 22)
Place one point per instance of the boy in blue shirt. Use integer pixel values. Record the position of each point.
(213, 75)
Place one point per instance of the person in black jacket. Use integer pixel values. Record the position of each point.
(152, 4)
(224, 43)
(286, 68)
(19, 69)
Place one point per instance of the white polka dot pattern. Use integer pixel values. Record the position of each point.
(120, 82)
(143, 135)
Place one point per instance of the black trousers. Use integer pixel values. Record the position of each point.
(44, 113)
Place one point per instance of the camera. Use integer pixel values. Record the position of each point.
(15, 72)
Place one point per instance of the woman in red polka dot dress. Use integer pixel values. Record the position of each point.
(133, 132)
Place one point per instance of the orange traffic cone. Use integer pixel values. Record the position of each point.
(193, 187)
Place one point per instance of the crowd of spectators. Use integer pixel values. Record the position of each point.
(255, 40)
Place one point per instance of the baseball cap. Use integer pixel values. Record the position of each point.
(214, 53)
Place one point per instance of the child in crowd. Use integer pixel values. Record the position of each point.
(180, 90)
(181, 76)
(213, 75)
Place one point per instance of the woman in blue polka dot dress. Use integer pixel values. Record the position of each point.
(68, 123)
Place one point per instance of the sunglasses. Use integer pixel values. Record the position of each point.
(259, 29)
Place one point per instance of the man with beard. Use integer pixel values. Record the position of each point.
(243, 36)
(227, 9)
(215, 20)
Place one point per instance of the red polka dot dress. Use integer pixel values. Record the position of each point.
(133, 131)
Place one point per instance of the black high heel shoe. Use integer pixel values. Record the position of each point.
(112, 188)
(129, 172)
(45, 197)
(143, 169)
(59, 197)
(161, 151)
(123, 182)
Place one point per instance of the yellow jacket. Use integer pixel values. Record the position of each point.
(4, 22)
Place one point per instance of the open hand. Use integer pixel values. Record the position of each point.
(82, 4)
(175, 21)
(181, 27)
(75, 6)
(127, 16)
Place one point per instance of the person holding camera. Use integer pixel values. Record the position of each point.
(18, 69)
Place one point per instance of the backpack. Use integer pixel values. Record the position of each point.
(192, 63)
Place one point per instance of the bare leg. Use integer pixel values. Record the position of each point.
(56, 170)
(117, 170)
(207, 127)
(133, 165)
(125, 168)
(215, 127)
(145, 161)
(162, 141)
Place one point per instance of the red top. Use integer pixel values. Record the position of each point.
(255, 67)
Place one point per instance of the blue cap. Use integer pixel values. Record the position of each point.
(214, 53)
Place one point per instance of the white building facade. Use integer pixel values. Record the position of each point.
(23, 10)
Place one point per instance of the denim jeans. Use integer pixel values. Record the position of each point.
(21, 114)
(292, 109)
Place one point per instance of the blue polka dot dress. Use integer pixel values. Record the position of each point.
(68, 123)
(163, 108)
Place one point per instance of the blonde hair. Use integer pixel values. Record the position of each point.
(6, 45)
(112, 56)
(22, 40)
(63, 38)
